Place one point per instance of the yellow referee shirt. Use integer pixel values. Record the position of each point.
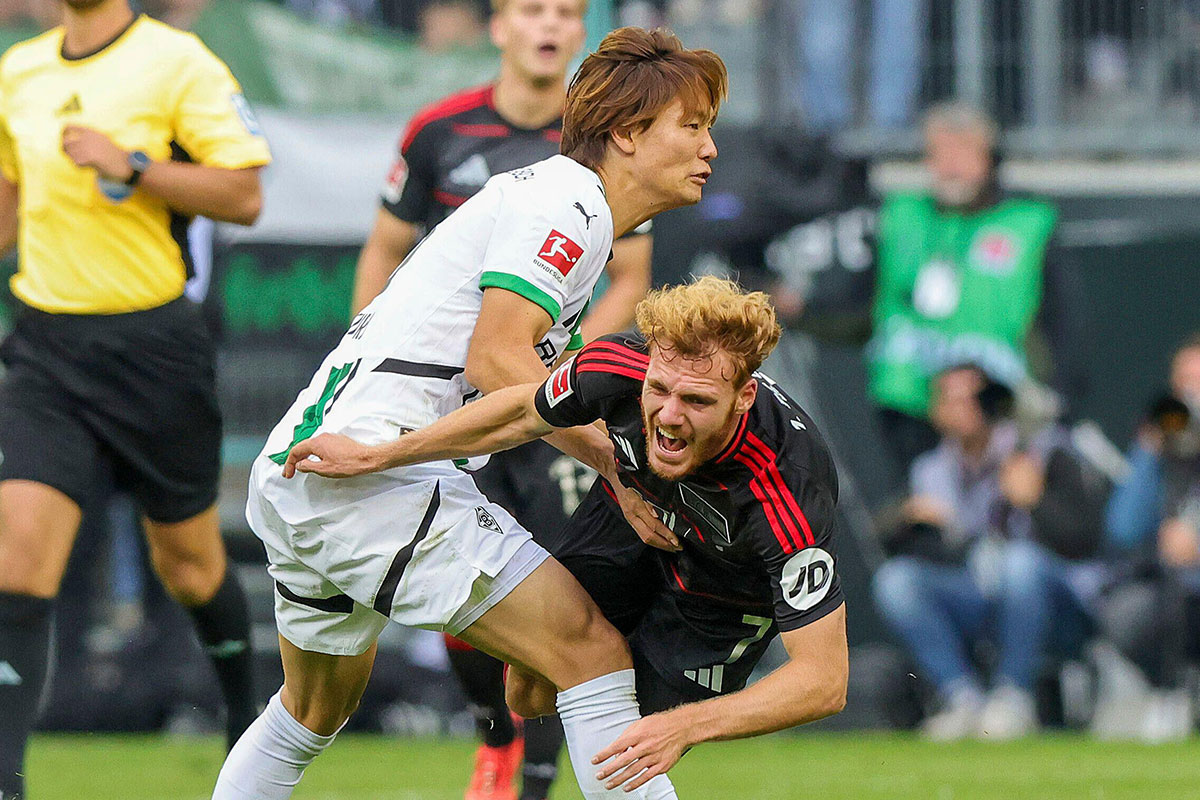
(149, 89)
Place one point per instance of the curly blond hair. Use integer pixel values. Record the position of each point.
(698, 319)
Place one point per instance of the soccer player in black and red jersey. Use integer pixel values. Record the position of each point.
(736, 470)
(447, 153)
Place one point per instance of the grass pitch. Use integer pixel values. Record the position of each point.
(803, 767)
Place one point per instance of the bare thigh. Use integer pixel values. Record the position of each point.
(321, 691)
(550, 626)
(38, 524)
(189, 556)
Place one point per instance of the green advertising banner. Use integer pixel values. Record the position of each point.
(283, 60)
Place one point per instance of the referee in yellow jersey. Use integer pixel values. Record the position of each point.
(115, 130)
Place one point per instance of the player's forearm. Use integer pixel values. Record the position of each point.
(499, 421)
(225, 195)
(791, 695)
(588, 445)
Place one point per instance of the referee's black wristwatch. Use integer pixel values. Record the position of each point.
(138, 162)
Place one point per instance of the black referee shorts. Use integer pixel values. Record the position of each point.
(134, 390)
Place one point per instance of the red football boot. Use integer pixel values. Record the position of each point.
(495, 769)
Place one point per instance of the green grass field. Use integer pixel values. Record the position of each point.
(816, 767)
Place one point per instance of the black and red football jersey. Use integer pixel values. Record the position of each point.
(449, 151)
(756, 522)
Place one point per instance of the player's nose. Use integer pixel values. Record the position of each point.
(671, 412)
(708, 148)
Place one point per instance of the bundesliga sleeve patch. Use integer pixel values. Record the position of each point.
(558, 385)
(560, 252)
(395, 180)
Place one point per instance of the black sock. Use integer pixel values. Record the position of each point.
(482, 680)
(544, 739)
(24, 657)
(223, 624)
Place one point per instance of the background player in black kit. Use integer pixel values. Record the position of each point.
(737, 471)
(448, 152)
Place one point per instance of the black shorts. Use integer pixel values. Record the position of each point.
(134, 393)
(685, 648)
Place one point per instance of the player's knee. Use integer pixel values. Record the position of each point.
(190, 582)
(528, 695)
(598, 648)
(320, 712)
(29, 569)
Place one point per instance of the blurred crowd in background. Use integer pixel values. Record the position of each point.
(1021, 567)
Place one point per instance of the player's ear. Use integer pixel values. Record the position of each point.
(746, 397)
(496, 31)
(623, 139)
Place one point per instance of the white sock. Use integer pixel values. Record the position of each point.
(267, 762)
(593, 715)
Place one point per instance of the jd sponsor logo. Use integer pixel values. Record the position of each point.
(807, 577)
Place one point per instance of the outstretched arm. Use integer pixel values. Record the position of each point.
(500, 420)
(810, 686)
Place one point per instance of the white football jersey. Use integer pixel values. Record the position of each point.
(543, 231)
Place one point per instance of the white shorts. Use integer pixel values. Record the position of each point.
(419, 545)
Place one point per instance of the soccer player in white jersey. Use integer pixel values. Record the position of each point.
(492, 297)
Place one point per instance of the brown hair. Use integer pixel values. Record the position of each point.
(629, 80)
(697, 319)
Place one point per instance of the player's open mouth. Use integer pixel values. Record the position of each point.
(667, 442)
(548, 49)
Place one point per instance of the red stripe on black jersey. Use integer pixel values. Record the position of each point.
(553, 135)
(694, 593)
(454, 104)
(598, 356)
(761, 494)
(736, 442)
(613, 369)
(481, 130)
(447, 199)
(768, 457)
(767, 473)
(619, 349)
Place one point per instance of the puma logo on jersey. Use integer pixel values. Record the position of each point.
(560, 252)
(587, 218)
(473, 172)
